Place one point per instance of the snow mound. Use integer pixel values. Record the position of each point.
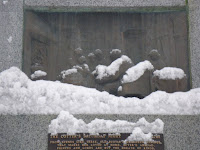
(67, 123)
(105, 71)
(38, 73)
(168, 73)
(138, 135)
(20, 95)
(135, 72)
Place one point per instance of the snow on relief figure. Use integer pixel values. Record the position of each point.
(135, 80)
(105, 74)
(38, 75)
(107, 71)
(170, 79)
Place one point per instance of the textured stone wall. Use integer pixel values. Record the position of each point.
(194, 32)
(29, 132)
(11, 33)
(105, 3)
(52, 40)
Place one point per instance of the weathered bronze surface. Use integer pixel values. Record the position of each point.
(102, 141)
(54, 42)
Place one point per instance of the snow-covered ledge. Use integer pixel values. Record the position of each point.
(22, 103)
(20, 95)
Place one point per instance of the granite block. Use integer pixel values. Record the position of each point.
(105, 3)
(11, 5)
(30, 131)
(194, 32)
(11, 25)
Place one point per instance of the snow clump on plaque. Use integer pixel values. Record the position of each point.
(141, 130)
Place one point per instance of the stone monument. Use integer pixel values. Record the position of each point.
(71, 38)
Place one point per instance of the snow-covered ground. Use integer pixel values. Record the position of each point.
(20, 95)
(141, 130)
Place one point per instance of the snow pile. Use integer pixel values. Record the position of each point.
(138, 135)
(20, 95)
(67, 123)
(38, 74)
(135, 72)
(105, 71)
(168, 73)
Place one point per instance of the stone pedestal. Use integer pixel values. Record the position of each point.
(30, 132)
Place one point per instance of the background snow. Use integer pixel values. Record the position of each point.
(20, 95)
(170, 73)
(67, 123)
(135, 72)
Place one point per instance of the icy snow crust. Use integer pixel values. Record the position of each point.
(170, 73)
(135, 72)
(105, 71)
(20, 95)
(67, 123)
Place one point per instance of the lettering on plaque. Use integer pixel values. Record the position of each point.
(102, 141)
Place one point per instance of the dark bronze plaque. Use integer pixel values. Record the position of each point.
(103, 141)
(51, 40)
